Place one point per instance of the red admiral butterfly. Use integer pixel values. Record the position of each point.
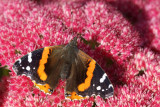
(46, 66)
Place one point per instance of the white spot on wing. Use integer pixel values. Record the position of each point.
(110, 86)
(99, 88)
(102, 89)
(19, 60)
(93, 85)
(103, 78)
(30, 57)
(22, 67)
(28, 68)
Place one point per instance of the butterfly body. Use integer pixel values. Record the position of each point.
(46, 66)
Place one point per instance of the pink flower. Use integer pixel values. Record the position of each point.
(127, 34)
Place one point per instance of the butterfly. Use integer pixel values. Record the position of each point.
(46, 66)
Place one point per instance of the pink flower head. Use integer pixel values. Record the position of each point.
(124, 48)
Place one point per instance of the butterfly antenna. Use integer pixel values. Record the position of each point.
(72, 22)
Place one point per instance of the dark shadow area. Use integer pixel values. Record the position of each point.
(41, 2)
(3, 90)
(138, 18)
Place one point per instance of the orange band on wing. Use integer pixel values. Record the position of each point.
(87, 82)
(45, 88)
(74, 95)
(43, 61)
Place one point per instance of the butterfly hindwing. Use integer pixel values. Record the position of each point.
(89, 79)
(76, 77)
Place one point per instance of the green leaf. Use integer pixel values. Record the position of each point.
(4, 71)
(93, 44)
(17, 51)
(33, 94)
(141, 72)
(94, 104)
(109, 62)
(41, 36)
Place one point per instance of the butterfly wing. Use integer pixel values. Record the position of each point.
(37, 66)
(87, 78)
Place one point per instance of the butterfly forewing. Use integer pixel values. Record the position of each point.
(38, 66)
(28, 65)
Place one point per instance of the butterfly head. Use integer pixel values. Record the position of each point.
(73, 43)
